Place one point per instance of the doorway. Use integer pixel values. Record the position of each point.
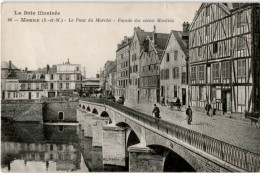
(183, 96)
(227, 102)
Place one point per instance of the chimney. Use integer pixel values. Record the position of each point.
(26, 70)
(154, 35)
(68, 61)
(48, 68)
(10, 66)
(185, 27)
(125, 38)
(137, 29)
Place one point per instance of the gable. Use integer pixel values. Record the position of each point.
(216, 11)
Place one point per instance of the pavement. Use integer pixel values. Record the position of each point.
(233, 131)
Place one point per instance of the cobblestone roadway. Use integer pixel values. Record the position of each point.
(236, 132)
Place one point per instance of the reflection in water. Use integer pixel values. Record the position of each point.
(34, 147)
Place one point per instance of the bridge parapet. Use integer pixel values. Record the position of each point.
(236, 156)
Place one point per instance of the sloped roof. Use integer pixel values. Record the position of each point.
(183, 43)
(161, 41)
(5, 65)
(16, 75)
(142, 35)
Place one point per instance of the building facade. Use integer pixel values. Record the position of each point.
(122, 67)
(224, 57)
(137, 46)
(173, 68)
(65, 80)
(150, 67)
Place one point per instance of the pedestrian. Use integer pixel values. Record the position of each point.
(178, 103)
(189, 115)
(156, 112)
(208, 108)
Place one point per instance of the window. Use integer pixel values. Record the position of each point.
(60, 76)
(78, 77)
(29, 85)
(241, 43)
(162, 91)
(241, 68)
(201, 72)
(207, 30)
(215, 71)
(183, 78)
(175, 55)
(60, 85)
(52, 85)
(167, 74)
(225, 69)
(240, 19)
(199, 51)
(168, 57)
(67, 85)
(213, 94)
(207, 11)
(200, 93)
(51, 147)
(67, 77)
(215, 47)
(9, 94)
(175, 72)
(133, 57)
(77, 68)
(193, 73)
(175, 91)
(37, 94)
(37, 86)
(51, 76)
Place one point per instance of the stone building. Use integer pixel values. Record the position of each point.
(150, 66)
(65, 80)
(224, 55)
(137, 46)
(6, 68)
(174, 68)
(122, 66)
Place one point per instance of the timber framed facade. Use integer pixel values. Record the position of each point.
(224, 50)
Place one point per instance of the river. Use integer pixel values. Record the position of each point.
(35, 147)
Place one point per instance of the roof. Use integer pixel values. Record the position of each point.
(5, 65)
(16, 75)
(161, 41)
(184, 43)
(227, 8)
(141, 35)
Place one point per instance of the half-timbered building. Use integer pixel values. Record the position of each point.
(224, 52)
(150, 60)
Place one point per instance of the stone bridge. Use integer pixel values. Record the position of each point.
(134, 139)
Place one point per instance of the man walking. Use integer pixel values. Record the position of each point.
(156, 112)
(189, 114)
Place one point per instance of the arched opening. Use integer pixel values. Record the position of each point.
(83, 107)
(131, 140)
(79, 105)
(175, 163)
(61, 128)
(105, 114)
(61, 116)
(95, 111)
(88, 109)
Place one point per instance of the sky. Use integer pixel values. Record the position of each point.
(91, 44)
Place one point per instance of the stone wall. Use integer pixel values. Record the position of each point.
(51, 111)
(22, 110)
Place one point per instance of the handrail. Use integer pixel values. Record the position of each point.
(241, 158)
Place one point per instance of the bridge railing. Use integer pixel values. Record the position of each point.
(234, 155)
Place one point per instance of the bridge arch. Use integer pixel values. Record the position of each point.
(177, 159)
(94, 111)
(106, 115)
(130, 132)
(83, 107)
(88, 109)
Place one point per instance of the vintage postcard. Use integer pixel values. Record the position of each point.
(130, 87)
